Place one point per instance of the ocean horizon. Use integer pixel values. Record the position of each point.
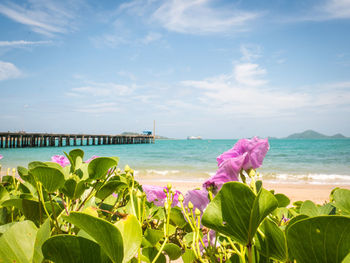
(325, 161)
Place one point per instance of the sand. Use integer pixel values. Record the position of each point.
(318, 193)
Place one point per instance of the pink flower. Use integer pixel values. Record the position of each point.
(92, 157)
(1, 156)
(255, 150)
(157, 195)
(60, 159)
(199, 199)
(228, 171)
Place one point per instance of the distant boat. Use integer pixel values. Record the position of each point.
(194, 138)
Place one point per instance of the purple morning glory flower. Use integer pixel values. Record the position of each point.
(228, 171)
(156, 195)
(255, 149)
(1, 156)
(92, 157)
(60, 159)
(199, 199)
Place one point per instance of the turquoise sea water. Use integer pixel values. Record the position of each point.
(312, 161)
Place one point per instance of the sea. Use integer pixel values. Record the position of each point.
(324, 161)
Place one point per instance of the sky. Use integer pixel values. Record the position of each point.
(210, 68)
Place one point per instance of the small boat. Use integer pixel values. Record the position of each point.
(194, 138)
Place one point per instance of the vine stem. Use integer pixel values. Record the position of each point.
(160, 250)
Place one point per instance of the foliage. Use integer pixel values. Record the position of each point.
(94, 212)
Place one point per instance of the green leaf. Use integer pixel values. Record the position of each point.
(73, 189)
(25, 176)
(98, 168)
(15, 202)
(106, 235)
(71, 249)
(177, 218)
(172, 250)
(132, 236)
(319, 239)
(4, 195)
(42, 235)
(109, 188)
(273, 244)
(309, 208)
(31, 210)
(283, 200)
(76, 158)
(51, 178)
(153, 236)
(17, 243)
(34, 164)
(237, 212)
(341, 199)
(151, 252)
(188, 256)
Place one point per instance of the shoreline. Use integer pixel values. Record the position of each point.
(318, 193)
(315, 191)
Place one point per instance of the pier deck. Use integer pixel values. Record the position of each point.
(23, 139)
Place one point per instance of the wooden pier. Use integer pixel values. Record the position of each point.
(23, 139)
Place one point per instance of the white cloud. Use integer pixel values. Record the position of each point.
(19, 43)
(8, 71)
(227, 95)
(45, 17)
(199, 17)
(101, 89)
(336, 9)
(249, 74)
(151, 37)
(99, 108)
(250, 52)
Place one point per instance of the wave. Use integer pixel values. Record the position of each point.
(199, 176)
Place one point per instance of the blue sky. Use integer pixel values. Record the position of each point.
(219, 69)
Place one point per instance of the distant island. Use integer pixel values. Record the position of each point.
(158, 137)
(310, 134)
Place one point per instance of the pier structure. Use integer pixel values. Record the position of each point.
(23, 139)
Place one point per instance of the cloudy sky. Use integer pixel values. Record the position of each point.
(219, 69)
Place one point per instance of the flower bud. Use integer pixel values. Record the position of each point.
(13, 171)
(165, 190)
(169, 186)
(181, 198)
(127, 168)
(251, 173)
(190, 205)
(197, 212)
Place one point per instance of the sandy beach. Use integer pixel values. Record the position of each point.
(318, 193)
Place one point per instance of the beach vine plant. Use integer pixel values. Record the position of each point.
(71, 210)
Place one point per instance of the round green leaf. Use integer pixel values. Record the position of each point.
(17, 243)
(71, 249)
(98, 168)
(319, 239)
(106, 235)
(237, 212)
(309, 208)
(42, 235)
(273, 244)
(341, 199)
(173, 251)
(51, 178)
(132, 236)
(109, 188)
(283, 200)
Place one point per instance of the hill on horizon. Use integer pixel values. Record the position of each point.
(310, 134)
